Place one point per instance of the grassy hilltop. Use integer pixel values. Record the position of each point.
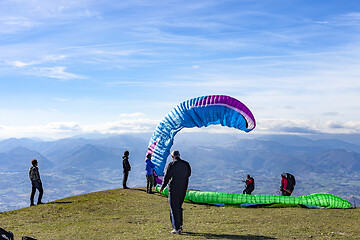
(133, 214)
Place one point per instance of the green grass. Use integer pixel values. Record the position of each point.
(133, 214)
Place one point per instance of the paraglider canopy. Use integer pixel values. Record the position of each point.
(197, 112)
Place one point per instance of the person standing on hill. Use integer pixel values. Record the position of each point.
(126, 168)
(287, 184)
(177, 176)
(35, 182)
(150, 180)
(250, 185)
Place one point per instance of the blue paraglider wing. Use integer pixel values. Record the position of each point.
(197, 112)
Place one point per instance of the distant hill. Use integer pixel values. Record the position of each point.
(11, 143)
(18, 158)
(341, 160)
(219, 162)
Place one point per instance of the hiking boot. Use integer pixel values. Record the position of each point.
(40, 203)
(126, 187)
(175, 231)
(181, 229)
(32, 204)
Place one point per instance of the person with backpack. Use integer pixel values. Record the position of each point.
(287, 184)
(250, 185)
(126, 168)
(35, 182)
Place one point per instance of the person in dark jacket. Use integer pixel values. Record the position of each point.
(177, 176)
(35, 182)
(126, 168)
(149, 168)
(250, 185)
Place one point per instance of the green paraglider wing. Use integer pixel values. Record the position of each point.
(324, 200)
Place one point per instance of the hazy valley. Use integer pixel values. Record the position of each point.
(219, 162)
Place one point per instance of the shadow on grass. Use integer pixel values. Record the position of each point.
(226, 236)
(144, 190)
(59, 202)
(138, 189)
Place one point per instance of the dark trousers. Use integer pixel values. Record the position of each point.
(150, 182)
(36, 184)
(286, 192)
(176, 211)
(248, 190)
(125, 178)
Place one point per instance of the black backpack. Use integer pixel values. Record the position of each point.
(6, 235)
(291, 181)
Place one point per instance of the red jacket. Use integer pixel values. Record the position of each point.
(284, 182)
(249, 181)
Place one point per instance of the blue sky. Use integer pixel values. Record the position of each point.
(75, 67)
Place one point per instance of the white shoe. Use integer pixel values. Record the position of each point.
(175, 231)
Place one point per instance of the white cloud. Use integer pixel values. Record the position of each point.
(34, 67)
(330, 114)
(54, 72)
(17, 21)
(13, 24)
(64, 127)
(21, 64)
(132, 115)
(56, 130)
(122, 53)
(45, 59)
(347, 19)
(306, 126)
(52, 58)
(42, 9)
(352, 126)
(18, 16)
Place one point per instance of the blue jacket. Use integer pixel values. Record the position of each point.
(149, 167)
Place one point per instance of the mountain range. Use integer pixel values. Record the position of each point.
(71, 166)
